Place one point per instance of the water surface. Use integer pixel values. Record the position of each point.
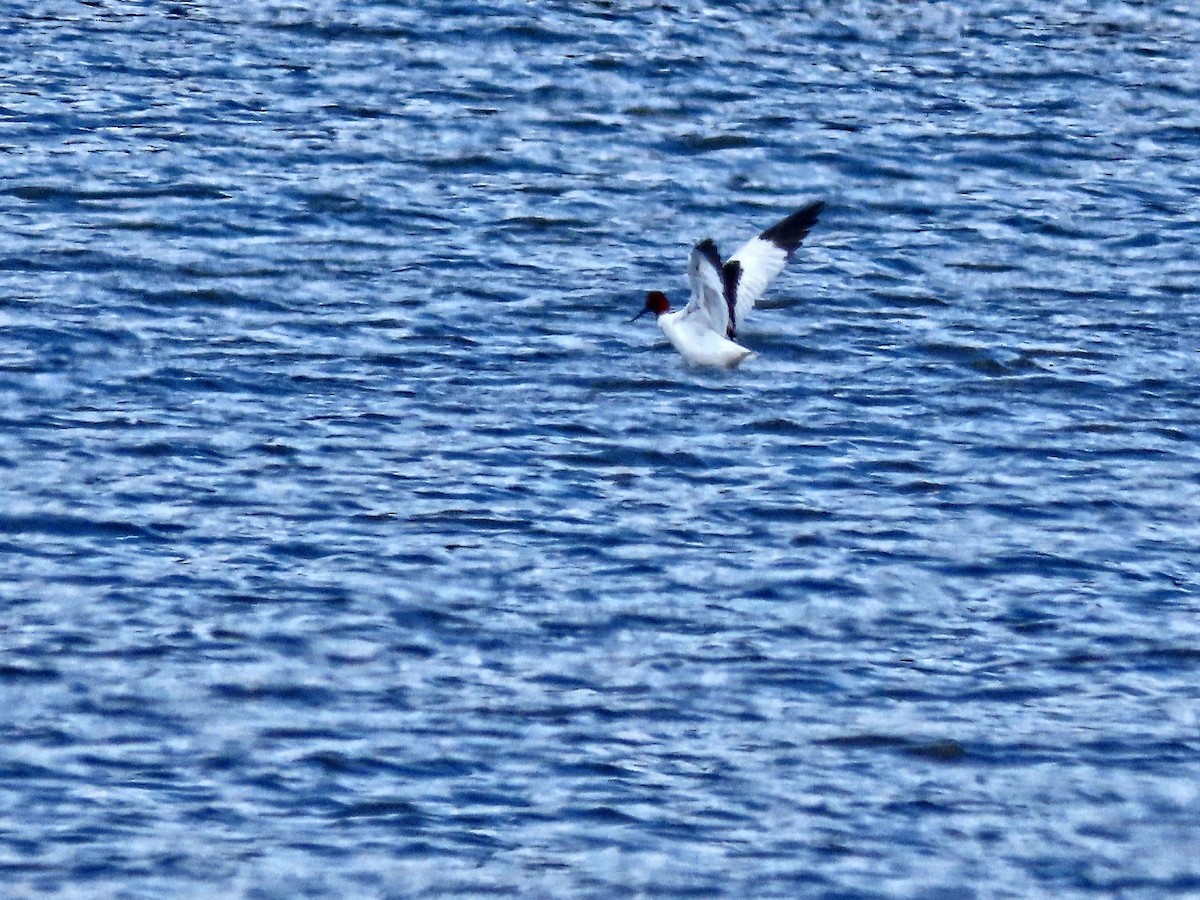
(354, 544)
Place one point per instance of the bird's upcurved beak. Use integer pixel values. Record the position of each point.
(645, 309)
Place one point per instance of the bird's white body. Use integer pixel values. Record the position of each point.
(722, 294)
(692, 335)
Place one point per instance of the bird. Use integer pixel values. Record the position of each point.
(722, 294)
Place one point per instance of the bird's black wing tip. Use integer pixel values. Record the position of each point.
(789, 233)
(708, 248)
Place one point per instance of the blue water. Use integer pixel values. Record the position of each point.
(354, 544)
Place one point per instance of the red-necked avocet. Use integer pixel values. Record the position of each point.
(722, 295)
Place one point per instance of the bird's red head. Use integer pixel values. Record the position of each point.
(656, 302)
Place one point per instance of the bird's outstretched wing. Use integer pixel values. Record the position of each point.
(746, 276)
(708, 289)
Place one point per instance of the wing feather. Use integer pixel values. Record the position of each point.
(746, 276)
(708, 292)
